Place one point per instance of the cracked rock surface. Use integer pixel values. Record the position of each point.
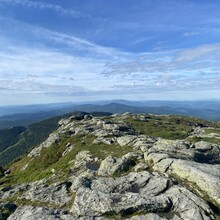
(141, 177)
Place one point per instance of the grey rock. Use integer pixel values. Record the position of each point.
(39, 213)
(83, 180)
(131, 182)
(83, 161)
(112, 165)
(44, 213)
(207, 152)
(55, 194)
(96, 203)
(12, 191)
(140, 167)
(104, 140)
(203, 152)
(133, 156)
(141, 182)
(64, 121)
(203, 146)
(175, 148)
(187, 205)
(143, 143)
(126, 140)
(109, 126)
(150, 216)
(202, 178)
(121, 195)
(88, 117)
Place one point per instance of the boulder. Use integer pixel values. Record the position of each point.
(203, 146)
(83, 161)
(112, 165)
(125, 140)
(202, 178)
(187, 205)
(96, 203)
(175, 148)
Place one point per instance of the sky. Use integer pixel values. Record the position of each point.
(72, 50)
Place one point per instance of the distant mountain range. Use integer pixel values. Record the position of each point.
(11, 116)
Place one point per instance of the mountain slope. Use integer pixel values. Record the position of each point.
(10, 136)
(26, 140)
(124, 166)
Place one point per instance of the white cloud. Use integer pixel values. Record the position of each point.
(42, 6)
(191, 54)
(178, 70)
(192, 33)
(94, 70)
(43, 70)
(78, 45)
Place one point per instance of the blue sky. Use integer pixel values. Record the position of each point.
(74, 50)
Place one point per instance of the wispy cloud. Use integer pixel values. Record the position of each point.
(192, 33)
(78, 45)
(46, 6)
(181, 70)
(204, 51)
(35, 62)
(40, 59)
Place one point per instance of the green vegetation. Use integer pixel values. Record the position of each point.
(51, 159)
(1, 171)
(27, 140)
(52, 162)
(10, 136)
(209, 131)
(169, 127)
(5, 214)
(207, 139)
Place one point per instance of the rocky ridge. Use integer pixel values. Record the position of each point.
(114, 167)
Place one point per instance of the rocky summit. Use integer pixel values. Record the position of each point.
(122, 166)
